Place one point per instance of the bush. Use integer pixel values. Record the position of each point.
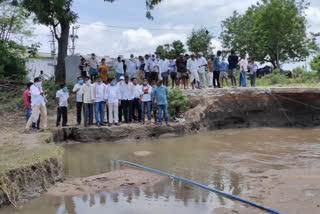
(178, 102)
(12, 62)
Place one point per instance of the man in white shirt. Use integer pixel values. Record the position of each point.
(87, 102)
(243, 71)
(118, 66)
(38, 102)
(253, 67)
(126, 93)
(164, 70)
(97, 97)
(77, 89)
(62, 97)
(154, 68)
(132, 67)
(146, 92)
(94, 66)
(136, 108)
(192, 68)
(202, 62)
(113, 100)
(147, 68)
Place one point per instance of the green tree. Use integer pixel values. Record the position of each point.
(169, 50)
(200, 41)
(315, 63)
(272, 31)
(58, 15)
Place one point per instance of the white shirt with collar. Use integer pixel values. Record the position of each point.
(192, 65)
(93, 63)
(164, 65)
(97, 92)
(132, 66)
(63, 98)
(126, 90)
(112, 94)
(202, 62)
(79, 93)
(243, 65)
(154, 66)
(36, 97)
(136, 91)
(146, 97)
(118, 66)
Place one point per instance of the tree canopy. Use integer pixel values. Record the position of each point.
(58, 15)
(169, 50)
(272, 31)
(200, 41)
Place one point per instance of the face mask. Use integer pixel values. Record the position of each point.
(134, 83)
(65, 90)
(145, 83)
(99, 83)
(113, 83)
(80, 81)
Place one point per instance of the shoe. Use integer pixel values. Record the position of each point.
(56, 125)
(98, 125)
(117, 124)
(27, 131)
(110, 124)
(103, 124)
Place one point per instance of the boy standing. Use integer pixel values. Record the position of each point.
(160, 96)
(223, 72)
(62, 101)
(253, 67)
(216, 70)
(87, 103)
(77, 89)
(146, 93)
(112, 97)
(97, 97)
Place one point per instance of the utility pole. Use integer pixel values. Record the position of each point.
(53, 50)
(73, 37)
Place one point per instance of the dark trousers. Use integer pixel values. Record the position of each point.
(154, 76)
(147, 76)
(127, 110)
(216, 75)
(120, 112)
(79, 111)
(88, 114)
(136, 109)
(62, 112)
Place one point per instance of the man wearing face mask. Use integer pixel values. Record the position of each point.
(87, 103)
(136, 108)
(132, 66)
(145, 99)
(112, 97)
(97, 97)
(77, 89)
(126, 92)
(38, 102)
(62, 97)
(154, 68)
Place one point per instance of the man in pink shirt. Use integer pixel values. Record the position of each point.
(27, 101)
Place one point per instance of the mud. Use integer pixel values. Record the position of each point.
(107, 182)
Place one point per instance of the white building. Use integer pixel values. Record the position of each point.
(44, 62)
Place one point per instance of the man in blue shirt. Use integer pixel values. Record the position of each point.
(223, 72)
(160, 97)
(216, 70)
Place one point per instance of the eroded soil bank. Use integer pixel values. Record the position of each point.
(214, 109)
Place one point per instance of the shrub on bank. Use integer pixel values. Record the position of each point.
(177, 102)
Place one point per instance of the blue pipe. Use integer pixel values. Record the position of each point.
(203, 186)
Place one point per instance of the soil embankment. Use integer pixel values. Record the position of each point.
(214, 109)
(107, 182)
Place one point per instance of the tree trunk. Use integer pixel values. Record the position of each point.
(62, 53)
(278, 55)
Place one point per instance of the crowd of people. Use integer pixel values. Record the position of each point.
(122, 99)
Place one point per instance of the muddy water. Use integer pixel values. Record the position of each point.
(221, 159)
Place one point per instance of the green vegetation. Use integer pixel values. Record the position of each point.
(177, 101)
(272, 31)
(315, 64)
(200, 41)
(300, 76)
(169, 50)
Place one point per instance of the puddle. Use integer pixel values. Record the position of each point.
(220, 159)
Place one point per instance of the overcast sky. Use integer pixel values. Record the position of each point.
(176, 18)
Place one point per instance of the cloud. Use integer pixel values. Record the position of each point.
(313, 16)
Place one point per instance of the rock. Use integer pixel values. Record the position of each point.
(142, 153)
